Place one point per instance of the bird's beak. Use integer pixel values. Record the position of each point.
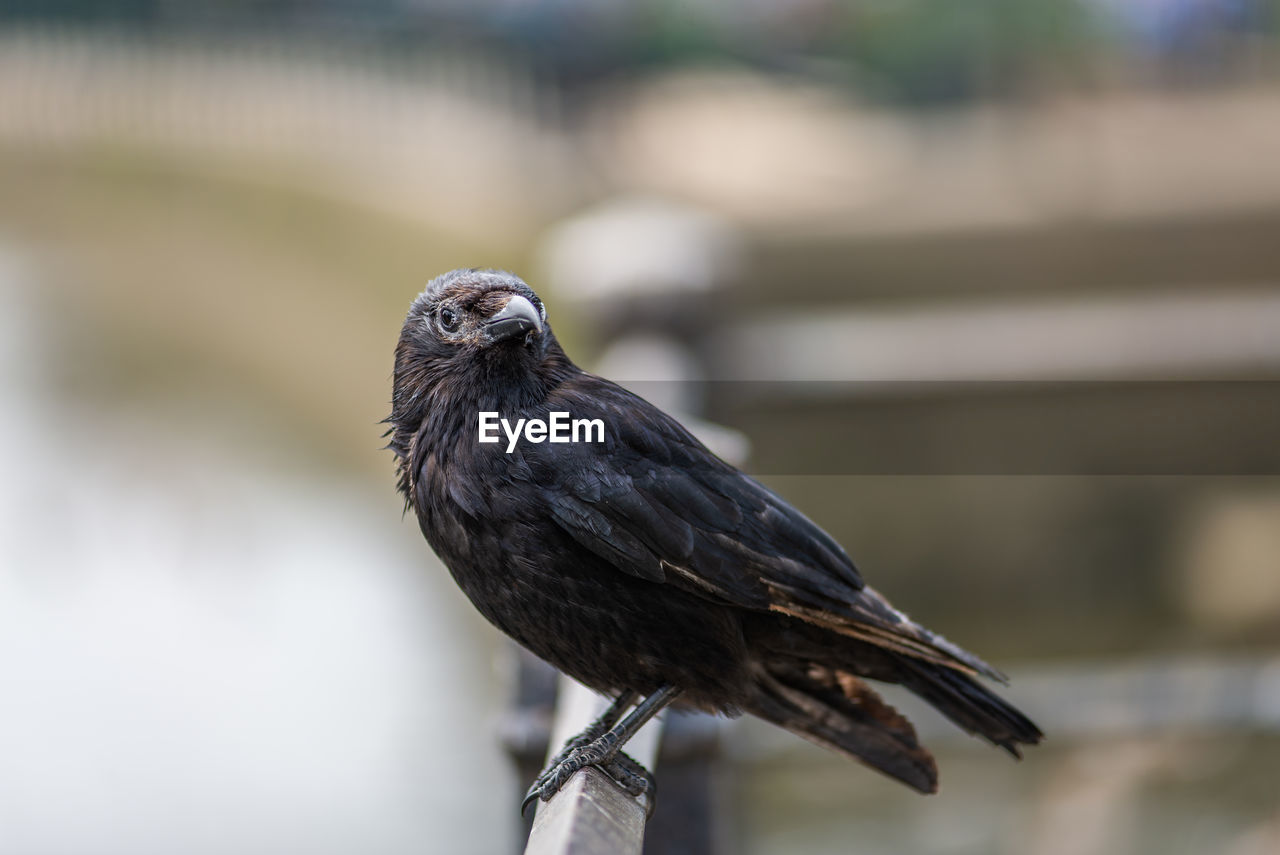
(518, 317)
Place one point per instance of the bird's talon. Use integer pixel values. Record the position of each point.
(633, 778)
(602, 754)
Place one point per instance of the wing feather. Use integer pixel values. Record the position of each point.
(657, 504)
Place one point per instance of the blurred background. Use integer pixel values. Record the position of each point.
(990, 290)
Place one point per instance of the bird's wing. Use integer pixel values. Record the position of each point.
(656, 503)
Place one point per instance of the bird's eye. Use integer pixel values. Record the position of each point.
(448, 319)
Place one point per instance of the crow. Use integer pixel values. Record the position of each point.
(641, 564)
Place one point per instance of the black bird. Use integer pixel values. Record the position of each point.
(644, 566)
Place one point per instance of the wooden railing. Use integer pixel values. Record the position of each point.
(592, 815)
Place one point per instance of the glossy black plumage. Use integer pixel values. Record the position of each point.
(645, 560)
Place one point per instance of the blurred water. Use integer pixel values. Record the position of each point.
(204, 649)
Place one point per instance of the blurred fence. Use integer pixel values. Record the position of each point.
(425, 132)
(261, 92)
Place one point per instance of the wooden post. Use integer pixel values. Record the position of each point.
(591, 815)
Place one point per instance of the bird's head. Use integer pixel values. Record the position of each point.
(471, 336)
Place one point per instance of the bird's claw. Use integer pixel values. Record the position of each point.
(561, 769)
(539, 784)
(634, 779)
(622, 769)
(579, 741)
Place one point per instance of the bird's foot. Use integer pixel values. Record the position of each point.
(593, 732)
(595, 752)
(634, 779)
(601, 749)
(580, 741)
(601, 753)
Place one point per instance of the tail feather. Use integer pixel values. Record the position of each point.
(810, 680)
(970, 705)
(839, 711)
(870, 618)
